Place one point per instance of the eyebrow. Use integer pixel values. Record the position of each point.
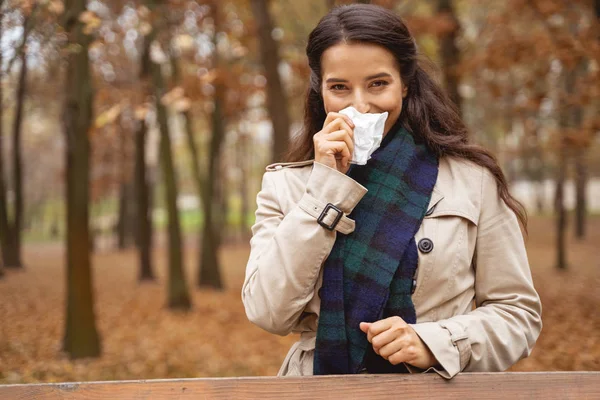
(368, 78)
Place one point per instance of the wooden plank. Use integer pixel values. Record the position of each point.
(543, 385)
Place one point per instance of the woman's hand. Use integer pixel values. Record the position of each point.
(396, 341)
(334, 143)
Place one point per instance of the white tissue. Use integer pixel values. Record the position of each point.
(368, 133)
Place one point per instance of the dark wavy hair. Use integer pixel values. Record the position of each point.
(427, 112)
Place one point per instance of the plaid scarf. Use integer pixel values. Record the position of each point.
(368, 274)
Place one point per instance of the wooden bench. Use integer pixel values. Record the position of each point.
(516, 385)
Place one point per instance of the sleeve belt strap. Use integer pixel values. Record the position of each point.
(315, 207)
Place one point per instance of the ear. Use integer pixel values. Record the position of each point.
(404, 91)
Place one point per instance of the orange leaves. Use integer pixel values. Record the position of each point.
(141, 111)
(108, 116)
(56, 7)
(143, 340)
(210, 76)
(176, 98)
(184, 42)
(438, 25)
(90, 22)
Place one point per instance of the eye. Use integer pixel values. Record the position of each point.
(338, 86)
(379, 83)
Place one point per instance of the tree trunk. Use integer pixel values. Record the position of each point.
(276, 99)
(581, 175)
(143, 210)
(450, 54)
(580, 191)
(561, 213)
(81, 337)
(195, 155)
(208, 265)
(209, 273)
(242, 146)
(121, 216)
(13, 257)
(178, 296)
(125, 231)
(3, 203)
(222, 197)
(567, 80)
(539, 197)
(143, 192)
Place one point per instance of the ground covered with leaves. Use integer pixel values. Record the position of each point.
(141, 339)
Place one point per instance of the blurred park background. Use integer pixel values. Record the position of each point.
(134, 135)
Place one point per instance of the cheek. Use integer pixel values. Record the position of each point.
(333, 103)
(390, 101)
(391, 104)
(394, 109)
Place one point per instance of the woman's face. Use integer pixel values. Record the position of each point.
(365, 76)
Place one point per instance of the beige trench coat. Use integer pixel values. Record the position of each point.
(477, 309)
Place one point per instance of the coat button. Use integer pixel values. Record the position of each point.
(425, 245)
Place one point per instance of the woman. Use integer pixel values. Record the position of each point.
(413, 262)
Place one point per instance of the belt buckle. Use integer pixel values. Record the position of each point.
(337, 219)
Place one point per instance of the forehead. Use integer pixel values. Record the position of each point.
(357, 59)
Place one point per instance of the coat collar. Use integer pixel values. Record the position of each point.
(444, 197)
(436, 197)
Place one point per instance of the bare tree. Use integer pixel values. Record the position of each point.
(276, 99)
(580, 160)
(3, 203)
(208, 265)
(209, 271)
(81, 337)
(561, 217)
(126, 214)
(567, 119)
(143, 210)
(178, 294)
(12, 257)
(143, 194)
(449, 52)
(581, 177)
(242, 155)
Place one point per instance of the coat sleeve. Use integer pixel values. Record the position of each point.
(287, 251)
(507, 320)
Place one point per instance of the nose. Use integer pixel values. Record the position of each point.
(361, 103)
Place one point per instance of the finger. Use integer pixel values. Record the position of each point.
(390, 348)
(336, 148)
(407, 354)
(341, 123)
(338, 124)
(384, 338)
(333, 115)
(329, 119)
(341, 136)
(379, 326)
(364, 326)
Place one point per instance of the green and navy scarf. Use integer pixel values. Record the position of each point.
(368, 274)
